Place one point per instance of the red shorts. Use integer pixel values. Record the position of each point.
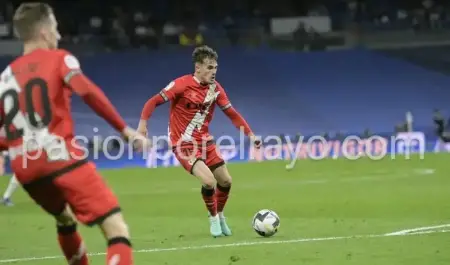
(189, 155)
(81, 187)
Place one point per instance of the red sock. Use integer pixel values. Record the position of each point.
(222, 197)
(72, 245)
(119, 252)
(210, 200)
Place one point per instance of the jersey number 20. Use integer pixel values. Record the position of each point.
(13, 116)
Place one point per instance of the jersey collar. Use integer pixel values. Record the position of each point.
(198, 82)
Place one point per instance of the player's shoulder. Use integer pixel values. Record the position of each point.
(60, 53)
(70, 60)
(46, 54)
(179, 82)
(183, 80)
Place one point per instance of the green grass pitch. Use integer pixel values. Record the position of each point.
(332, 212)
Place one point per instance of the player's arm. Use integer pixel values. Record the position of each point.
(169, 93)
(91, 94)
(236, 118)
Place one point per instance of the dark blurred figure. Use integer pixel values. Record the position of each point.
(231, 30)
(307, 38)
(439, 121)
(367, 133)
(440, 125)
(120, 27)
(401, 127)
(301, 37)
(144, 35)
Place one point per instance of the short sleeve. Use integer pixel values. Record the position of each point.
(172, 90)
(222, 99)
(70, 66)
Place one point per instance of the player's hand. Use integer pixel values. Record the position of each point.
(140, 142)
(142, 128)
(256, 141)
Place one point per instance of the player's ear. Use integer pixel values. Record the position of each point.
(42, 33)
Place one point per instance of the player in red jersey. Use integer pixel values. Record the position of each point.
(35, 110)
(193, 99)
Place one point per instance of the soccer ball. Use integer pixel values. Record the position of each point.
(266, 223)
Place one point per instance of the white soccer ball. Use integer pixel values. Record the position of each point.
(266, 223)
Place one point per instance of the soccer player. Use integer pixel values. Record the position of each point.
(12, 185)
(193, 98)
(35, 110)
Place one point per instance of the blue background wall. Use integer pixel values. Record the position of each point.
(277, 92)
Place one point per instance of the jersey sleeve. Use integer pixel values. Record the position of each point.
(92, 95)
(172, 90)
(222, 99)
(169, 93)
(69, 67)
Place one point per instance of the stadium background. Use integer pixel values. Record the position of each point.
(291, 68)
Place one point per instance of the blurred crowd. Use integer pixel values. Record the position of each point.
(154, 23)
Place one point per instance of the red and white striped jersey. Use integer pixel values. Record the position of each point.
(192, 108)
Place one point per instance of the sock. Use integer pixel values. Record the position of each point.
(210, 200)
(119, 252)
(72, 245)
(12, 186)
(222, 197)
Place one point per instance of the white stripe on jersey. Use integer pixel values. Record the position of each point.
(199, 118)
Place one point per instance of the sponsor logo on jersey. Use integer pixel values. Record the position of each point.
(71, 62)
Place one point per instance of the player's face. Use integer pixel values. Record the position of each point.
(51, 34)
(207, 70)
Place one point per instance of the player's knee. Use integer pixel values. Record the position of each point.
(114, 226)
(225, 182)
(209, 185)
(66, 218)
(223, 177)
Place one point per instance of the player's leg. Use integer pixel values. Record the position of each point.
(50, 198)
(93, 203)
(217, 165)
(117, 235)
(204, 174)
(222, 193)
(195, 165)
(70, 240)
(12, 186)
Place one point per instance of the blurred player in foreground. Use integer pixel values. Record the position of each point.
(193, 98)
(35, 92)
(12, 185)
